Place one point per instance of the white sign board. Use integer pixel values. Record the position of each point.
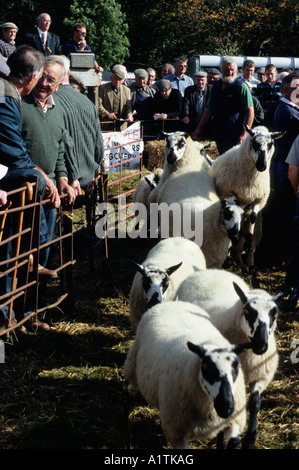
(128, 145)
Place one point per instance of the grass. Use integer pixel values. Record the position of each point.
(64, 389)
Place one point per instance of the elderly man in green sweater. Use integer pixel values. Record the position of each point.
(43, 132)
(84, 141)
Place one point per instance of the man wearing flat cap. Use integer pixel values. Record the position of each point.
(7, 42)
(141, 95)
(167, 107)
(212, 75)
(195, 101)
(115, 101)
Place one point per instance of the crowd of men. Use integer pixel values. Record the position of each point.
(57, 136)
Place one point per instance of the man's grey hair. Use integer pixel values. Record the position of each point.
(62, 61)
(230, 61)
(41, 15)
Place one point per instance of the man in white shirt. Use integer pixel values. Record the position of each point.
(178, 79)
(42, 39)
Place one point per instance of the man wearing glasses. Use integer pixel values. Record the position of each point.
(43, 132)
(79, 44)
(178, 79)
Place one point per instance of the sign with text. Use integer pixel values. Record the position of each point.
(123, 146)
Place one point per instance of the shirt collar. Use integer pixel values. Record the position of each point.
(40, 32)
(50, 103)
(290, 103)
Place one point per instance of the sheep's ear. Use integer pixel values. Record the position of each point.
(138, 267)
(249, 130)
(149, 182)
(199, 350)
(163, 135)
(239, 348)
(240, 293)
(277, 135)
(174, 268)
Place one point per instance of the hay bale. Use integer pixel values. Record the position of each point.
(154, 154)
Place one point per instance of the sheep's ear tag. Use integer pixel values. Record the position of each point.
(240, 293)
(199, 350)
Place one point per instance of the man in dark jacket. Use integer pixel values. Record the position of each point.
(231, 106)
(195, 101)
(41, 38)
(167, 107)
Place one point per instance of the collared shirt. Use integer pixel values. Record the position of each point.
(253, 82)
(7, 48)
(179, 83)
(290, 103)
(50, 103)
(45, 33)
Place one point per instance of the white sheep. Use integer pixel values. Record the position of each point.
(240, 314)
(244, 171)
(181, 151)
(183, 366)
(145, 185)
(157, 279)
(180, 201)
(222, 222)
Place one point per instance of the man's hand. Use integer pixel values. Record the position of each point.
(52, 193)
(65, 188)
(76, 187)
(3, 198)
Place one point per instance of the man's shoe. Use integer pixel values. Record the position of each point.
(21, 328)
(35, 324)
(45, 272)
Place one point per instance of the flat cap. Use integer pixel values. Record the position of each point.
(163, 84)
(9, 25)
(76, 80)
(213, 71)
(200, 73)
(120, 71)
(140, 73)
(261, 70)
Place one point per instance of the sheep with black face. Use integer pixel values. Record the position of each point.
(241, 315)
(182, 365)
(158, 277)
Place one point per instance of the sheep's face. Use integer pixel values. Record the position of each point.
(259, 316)
(156, 283)
(175, 146)
(218, 374)
(262, 145)
(231, 217)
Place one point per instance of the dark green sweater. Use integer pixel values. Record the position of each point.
(85, 149)
(43, 134)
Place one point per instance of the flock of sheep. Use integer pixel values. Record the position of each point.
(202, 333)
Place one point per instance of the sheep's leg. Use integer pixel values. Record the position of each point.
(233, 436)
(254, 407)
(220, 440)
(249, 236)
